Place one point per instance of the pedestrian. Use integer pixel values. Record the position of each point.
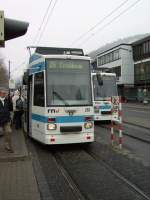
(17, 100)
(5, 118)
(9, 97)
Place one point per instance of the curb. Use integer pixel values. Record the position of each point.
(135, 137)
(15, 158)
(134, 124)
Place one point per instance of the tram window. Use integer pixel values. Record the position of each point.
(39, 89)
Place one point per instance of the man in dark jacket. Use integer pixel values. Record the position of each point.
(5, 118)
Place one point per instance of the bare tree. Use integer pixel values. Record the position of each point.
(3, 74)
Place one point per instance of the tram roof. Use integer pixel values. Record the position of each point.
(57, 51)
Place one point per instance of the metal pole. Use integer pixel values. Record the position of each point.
(145, 82)
(112, 126)
(112, 133)
(120, 124)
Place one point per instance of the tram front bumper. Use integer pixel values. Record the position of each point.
(69, 138)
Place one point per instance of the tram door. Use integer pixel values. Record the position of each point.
(30, 104)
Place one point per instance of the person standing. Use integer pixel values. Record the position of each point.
(9, 97)
(17, 100)
(5, 118)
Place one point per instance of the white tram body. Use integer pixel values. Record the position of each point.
(59, 96)
(103, 90)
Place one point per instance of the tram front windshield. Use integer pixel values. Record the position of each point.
(68, 82)
(107, 89)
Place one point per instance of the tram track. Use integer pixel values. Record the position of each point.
(145, 139)
(74, 187)
(119, 176)
(109, 169)
(66, 174)
(137, 138)
(125, 181)
(68, 178)
(133, 124)
(63, 160)
(57, 179)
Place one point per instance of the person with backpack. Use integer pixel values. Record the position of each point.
(18, 109)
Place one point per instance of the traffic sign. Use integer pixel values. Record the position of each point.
(115, 107)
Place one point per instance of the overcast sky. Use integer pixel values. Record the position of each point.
(67, 23)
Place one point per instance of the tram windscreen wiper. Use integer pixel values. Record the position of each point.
(59, 96)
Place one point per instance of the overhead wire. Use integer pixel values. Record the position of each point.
(42, 22)
(43, 27)
(48, 18)
(100, 22)
(116, 17)
(40, 29)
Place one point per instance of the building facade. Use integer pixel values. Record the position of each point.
(131, 63)
(118, 60)
(141, 56)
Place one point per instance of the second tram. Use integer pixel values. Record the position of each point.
(104, 87)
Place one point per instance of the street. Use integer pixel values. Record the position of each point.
(81, 171)
(139, 115)
(95, 171)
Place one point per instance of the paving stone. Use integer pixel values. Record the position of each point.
(17, 179)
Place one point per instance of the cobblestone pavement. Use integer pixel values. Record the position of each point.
(17, 181)
(123, 161)
(88, 174)
(128, 166)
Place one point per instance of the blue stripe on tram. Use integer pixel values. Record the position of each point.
(59, 119)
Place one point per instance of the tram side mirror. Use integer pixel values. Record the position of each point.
(99, 79)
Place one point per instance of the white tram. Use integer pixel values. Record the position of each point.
(59, 96)
(104, 87)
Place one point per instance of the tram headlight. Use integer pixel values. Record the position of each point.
(88, 125)
(51, 126)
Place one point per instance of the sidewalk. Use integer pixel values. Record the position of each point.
(17, 180)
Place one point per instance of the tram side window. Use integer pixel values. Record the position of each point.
(39, 89)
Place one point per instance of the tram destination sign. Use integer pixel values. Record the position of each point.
(65, 65)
